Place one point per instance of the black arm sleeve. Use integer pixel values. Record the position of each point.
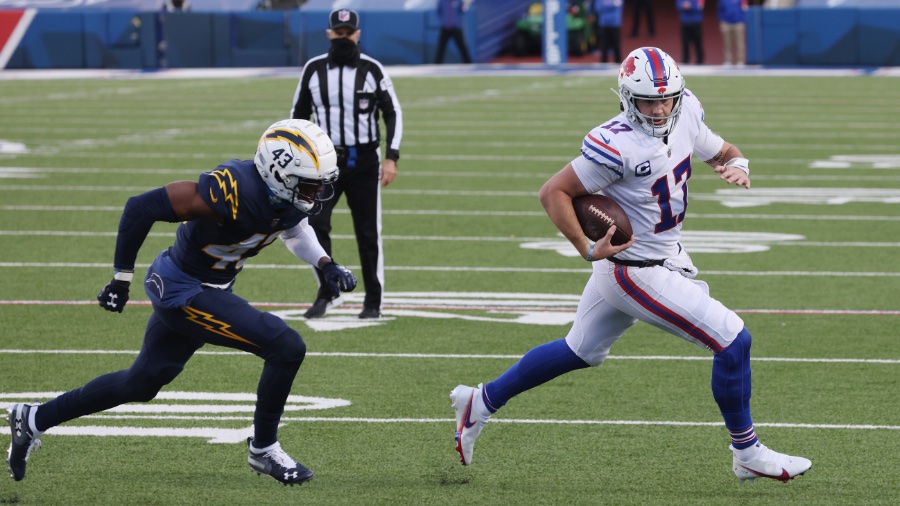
(303, 96)
(141, 212)
(387, 101)
(390, 123)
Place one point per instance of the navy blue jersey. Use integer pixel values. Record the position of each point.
(215, 252)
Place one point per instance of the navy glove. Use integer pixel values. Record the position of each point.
(339, 278)
(114, 295)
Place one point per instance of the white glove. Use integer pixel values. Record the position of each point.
(682, 264)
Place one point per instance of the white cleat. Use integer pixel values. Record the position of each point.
(468, 424)
(769, 464)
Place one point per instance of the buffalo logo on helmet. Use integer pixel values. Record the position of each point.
(628, 67)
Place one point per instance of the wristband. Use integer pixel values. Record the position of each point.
(591, 252)
(740, 163)
(125, 276)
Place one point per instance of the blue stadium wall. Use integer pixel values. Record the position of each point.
(824, 37)
(131, 39)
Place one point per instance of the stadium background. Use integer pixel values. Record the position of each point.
(477, 275)
(133, 34)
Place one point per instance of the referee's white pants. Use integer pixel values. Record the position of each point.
(616, 297)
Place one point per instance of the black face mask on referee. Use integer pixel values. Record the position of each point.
(343, 51)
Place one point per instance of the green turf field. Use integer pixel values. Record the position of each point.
(476, 275)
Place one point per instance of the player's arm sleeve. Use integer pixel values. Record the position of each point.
(141, 212)
(302, 106)
(302, 242)
(391, 112)
(708, 143)
(600, 163)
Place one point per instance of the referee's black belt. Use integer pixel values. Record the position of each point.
(345, 150)
(636, 263)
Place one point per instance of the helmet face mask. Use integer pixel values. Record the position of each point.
(298, 163)
(649, 73)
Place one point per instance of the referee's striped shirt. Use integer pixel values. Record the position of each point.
(347, 102)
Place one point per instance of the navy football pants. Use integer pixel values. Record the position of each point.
(216, 317)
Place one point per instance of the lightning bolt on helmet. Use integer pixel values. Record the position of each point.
(649, 73)
(298, 163)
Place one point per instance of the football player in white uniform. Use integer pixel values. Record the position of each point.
(642, 160)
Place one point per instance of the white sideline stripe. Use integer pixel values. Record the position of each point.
(461, 175)
(831, 274)
(505, 420)
(850, 312)
(458, 212)
(883, 195)
(388, 307)
(63, 233)
(455, 355)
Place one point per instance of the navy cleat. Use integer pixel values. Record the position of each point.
(278, 464)
(322, 306)
(24, 440)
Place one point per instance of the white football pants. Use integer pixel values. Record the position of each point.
(616, 297)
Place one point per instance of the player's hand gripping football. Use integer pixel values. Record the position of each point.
(114, 295)
(339, 278)
(604, 248)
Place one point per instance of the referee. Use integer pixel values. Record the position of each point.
(345, 92)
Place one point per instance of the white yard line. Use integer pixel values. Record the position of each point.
(500, 420)
(441, 268)
(460, 212)
(463, 356)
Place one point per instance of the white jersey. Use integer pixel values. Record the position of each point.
(646, 176)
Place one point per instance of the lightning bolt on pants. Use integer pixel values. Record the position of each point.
(172, 336)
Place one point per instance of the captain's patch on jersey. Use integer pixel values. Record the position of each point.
(642, 169)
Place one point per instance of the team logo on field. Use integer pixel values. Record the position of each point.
(754, 197)
(518, 308)
(694, 242)
(216, 410)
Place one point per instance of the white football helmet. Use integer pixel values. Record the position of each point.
(649, 73)
(298, 162)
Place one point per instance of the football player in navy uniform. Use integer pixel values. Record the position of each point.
(229, 215)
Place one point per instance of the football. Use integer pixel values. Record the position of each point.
(597, 213)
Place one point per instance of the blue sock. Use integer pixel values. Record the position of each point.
(731, 386)
(538, 366)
